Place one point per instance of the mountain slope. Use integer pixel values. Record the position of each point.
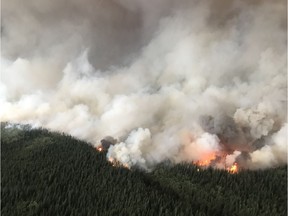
(48, 173)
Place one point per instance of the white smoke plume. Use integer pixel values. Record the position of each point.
(183, 81)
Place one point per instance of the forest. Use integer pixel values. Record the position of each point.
(51, 173)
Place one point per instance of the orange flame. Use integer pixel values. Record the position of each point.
(233, 169)
(100, 149)
(205, 162)
(116, 163)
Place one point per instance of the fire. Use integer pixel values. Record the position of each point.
(219, 162)
(203, 163)
(116, 163)
(112, 161)
(206, 161)
(126, 166)
(233, 169)
(99, 148)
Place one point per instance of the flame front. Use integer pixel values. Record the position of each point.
(205, 162)
(210, 160)
(233, 169)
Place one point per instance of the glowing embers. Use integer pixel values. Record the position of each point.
(111, 160)
(217, 162)
(106, 143)
(116, 163)
(233, 169)
(100, 149)
(206, 161)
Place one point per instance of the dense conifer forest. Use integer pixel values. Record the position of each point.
(48, 173)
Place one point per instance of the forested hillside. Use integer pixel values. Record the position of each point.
(48, 173)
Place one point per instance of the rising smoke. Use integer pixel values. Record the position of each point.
(186, 81)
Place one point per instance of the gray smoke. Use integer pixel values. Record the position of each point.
(187, 81)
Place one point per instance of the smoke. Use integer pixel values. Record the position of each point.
(186, 81)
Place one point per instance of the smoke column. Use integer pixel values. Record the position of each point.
(185, 81)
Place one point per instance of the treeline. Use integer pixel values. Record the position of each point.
(48, 173)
